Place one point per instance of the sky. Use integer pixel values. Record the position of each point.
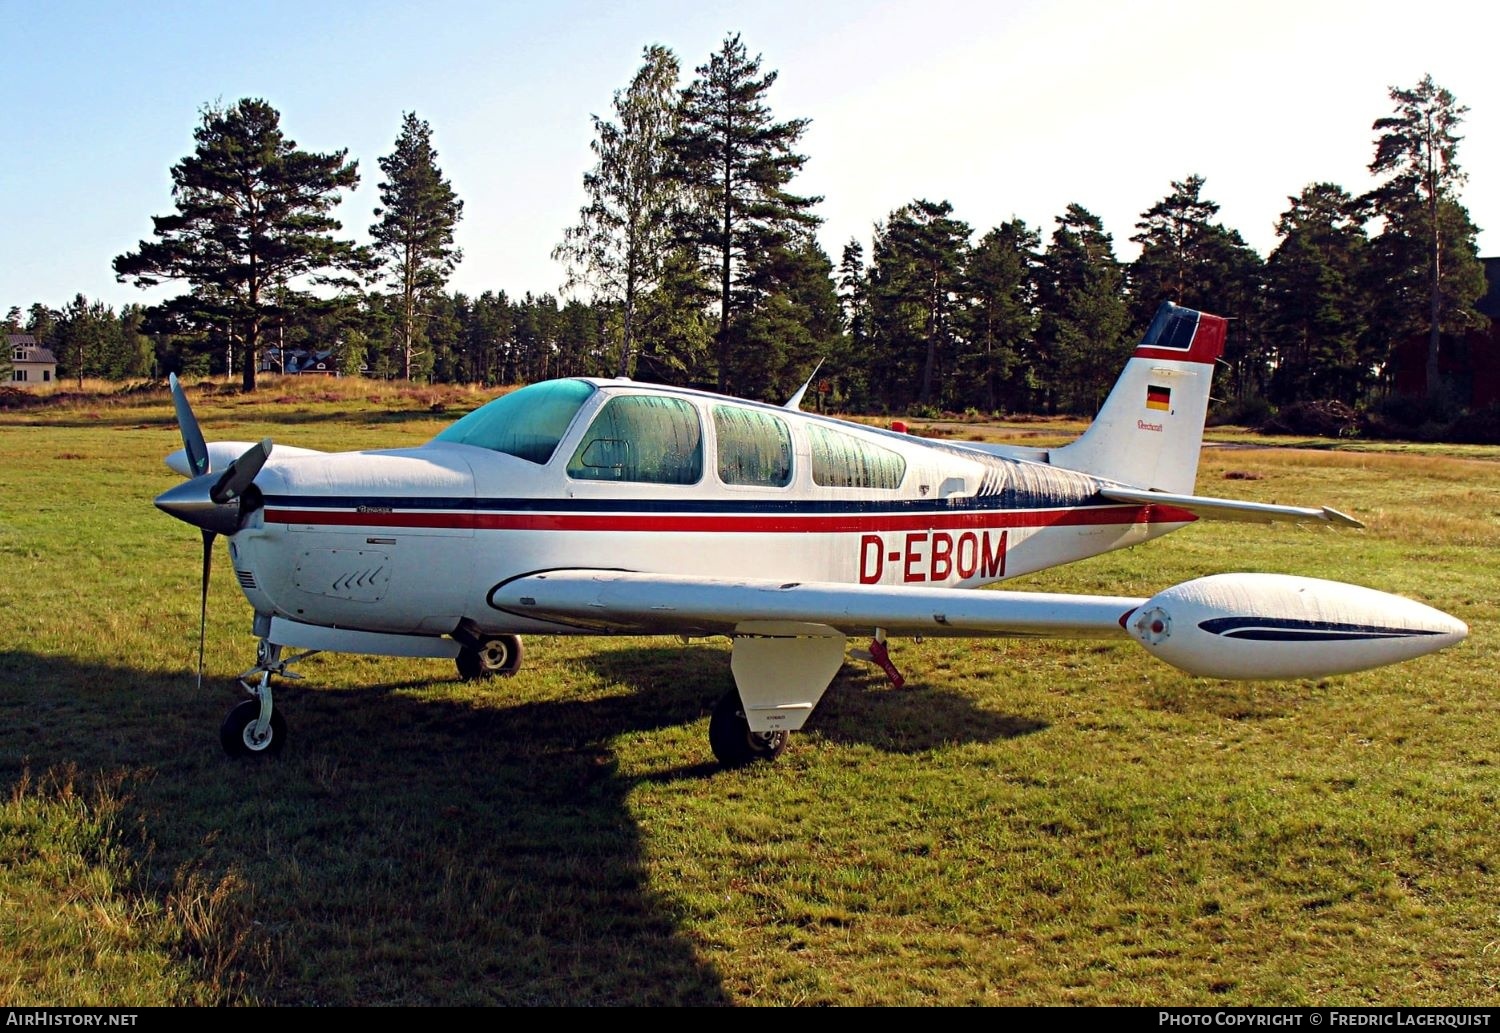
(1007, 109)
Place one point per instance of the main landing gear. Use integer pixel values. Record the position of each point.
(254, 728)
(781, 670)
(731, 739)
(487, 657)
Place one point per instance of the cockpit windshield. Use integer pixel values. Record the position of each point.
(526, 424)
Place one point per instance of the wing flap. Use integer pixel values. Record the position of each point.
(1232, 509)
(633, 603)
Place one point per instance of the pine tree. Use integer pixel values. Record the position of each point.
(623, 234)
(86, 336)
(487, 337)
(1172, 234)
(793, 322)
(414, 234)
(583, 341)
(1082, 336)
(1189, 259)
(1427, 235)
(12, 326)
(252, 213)
(1002, 317)
(41, 323)
(1316, 306)
(538, 324)
(676, 333)
(736, 161)
(444, 332)
(916, 296)
(848, 371)
(138, 351)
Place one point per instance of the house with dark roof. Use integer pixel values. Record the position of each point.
(30, 363)
(1469, 364)
(301, 361)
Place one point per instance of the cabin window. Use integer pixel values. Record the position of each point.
(755, 448)
(842, 460)
(648, 438)
(20, 374)
(526, 424)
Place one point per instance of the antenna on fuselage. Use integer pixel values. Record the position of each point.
(795, 402)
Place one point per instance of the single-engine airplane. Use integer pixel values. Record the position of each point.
(592, 506)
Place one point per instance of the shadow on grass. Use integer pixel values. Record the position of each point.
(404, 850)
(416, 848)
(859, 707)
(862, 707)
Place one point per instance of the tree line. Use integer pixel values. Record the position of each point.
(694, 261)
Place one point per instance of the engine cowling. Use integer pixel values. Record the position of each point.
(1282, 626)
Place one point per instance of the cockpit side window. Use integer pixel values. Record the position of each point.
(526, 424)
(842, 460)
(755, 448)
(649, 438)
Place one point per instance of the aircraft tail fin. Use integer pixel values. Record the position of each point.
(1150, 430)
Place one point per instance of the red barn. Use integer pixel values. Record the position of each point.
(1471, 363)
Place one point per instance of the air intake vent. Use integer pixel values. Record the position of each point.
(245, 578)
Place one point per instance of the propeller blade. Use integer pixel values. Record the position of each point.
(187, 423)
(205, 502)
(240, 473)
(208, 562)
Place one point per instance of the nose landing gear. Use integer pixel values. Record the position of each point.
(254, 727)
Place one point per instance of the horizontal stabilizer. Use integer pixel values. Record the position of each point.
(1232, 509)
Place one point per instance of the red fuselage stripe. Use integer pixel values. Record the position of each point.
(739, 524)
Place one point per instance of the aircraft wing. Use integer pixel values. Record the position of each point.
(633, 603)
(1231, 509)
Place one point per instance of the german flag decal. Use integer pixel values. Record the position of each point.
(1158, 398)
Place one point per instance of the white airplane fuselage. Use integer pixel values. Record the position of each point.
(607, 506)
(414, 541)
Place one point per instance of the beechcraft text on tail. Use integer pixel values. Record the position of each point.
(588, 506)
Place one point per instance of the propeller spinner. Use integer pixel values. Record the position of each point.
(210, 501)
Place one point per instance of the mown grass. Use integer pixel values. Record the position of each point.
(1027, 822)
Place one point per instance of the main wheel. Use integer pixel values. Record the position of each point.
(500, 655)
(237, 734)
(733, 742)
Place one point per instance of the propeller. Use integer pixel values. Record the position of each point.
(208, 500)
(187, 423)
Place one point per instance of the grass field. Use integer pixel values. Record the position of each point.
(1025, 823)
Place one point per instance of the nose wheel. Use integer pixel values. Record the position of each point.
(240, 737)
(254, 727)
(498, 655)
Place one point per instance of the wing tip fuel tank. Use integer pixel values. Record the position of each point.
(1245, 626)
